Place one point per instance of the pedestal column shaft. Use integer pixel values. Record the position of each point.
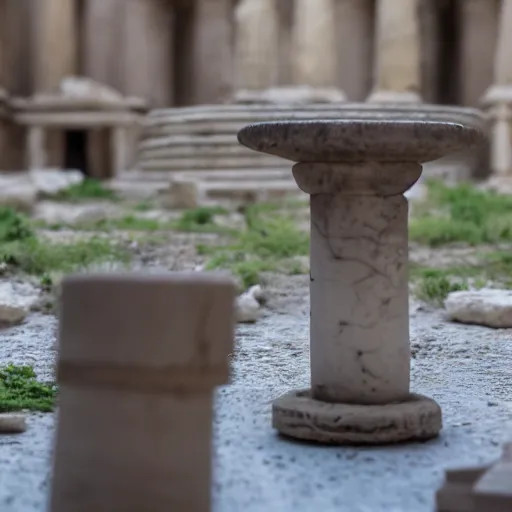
(256, 44)
(397, 46)
(359, 299)
(314, 38)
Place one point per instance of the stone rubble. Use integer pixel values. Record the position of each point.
(22, 190)
(16, 301)
(12, 423)
(248, 305)
(487, 307)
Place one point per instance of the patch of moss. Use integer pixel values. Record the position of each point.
(20, 390)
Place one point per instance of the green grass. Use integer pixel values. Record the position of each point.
(434, 284)
(462, 214)
(267, 243)
(88, 189)
(20, 390)
(21, 249)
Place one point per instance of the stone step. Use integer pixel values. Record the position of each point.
(318, 107)
(192, 194)
(235, 162)
(187, 140)
(343, 110)
(206, 151)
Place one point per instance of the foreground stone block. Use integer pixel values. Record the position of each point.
(478, 489)
(356, 172)
(492, 308)
(13, 423)
(139, 359)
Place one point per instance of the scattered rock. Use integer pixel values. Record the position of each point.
(70, 214)
(17, 191)
(16, 300)
(85, 88)
(248, 309)
(12, 423)
(488, 307)
(51, 181)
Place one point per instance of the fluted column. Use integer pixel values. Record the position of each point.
(256, 44)
(148, 51)
(354, 22)
(211, 51)
(498, 98)
(314, 38)
(397, 71)
(55, 42)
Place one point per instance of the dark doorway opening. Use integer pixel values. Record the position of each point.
(449, 50)
(76, 151)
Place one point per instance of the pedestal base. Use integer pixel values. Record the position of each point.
(297, 415)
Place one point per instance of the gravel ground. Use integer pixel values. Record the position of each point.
(466, 368)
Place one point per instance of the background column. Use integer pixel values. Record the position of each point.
(256, 44)
(314, 38)
(354, 47)
(397, 64)
(210, 52)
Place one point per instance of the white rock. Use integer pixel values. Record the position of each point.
(12, 423)
(17, 191)
(489, 307)
(16, 301)
(296, 95)
(52, 181)
(257, 292)
(247, 308)
(84, 88)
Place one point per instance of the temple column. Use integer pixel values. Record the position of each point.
(498, 98)
(314, 38)
(55, 42)
(55, 57)
(210, 52)
(354, 22)
(479, 27)
(256, 44)
(102, 46)
(397, 71)
(148, 51)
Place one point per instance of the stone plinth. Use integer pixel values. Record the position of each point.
(356, 172)
(139, 358)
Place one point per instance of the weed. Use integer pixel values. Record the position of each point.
(89, 188)
(464, 214)
(434, 286)
(265, 245)
(37, 257)
(20, 390)
(200, 220)
(14, 226)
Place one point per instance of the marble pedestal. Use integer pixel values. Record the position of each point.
(356, 172)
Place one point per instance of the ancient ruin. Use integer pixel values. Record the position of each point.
(136, 397)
